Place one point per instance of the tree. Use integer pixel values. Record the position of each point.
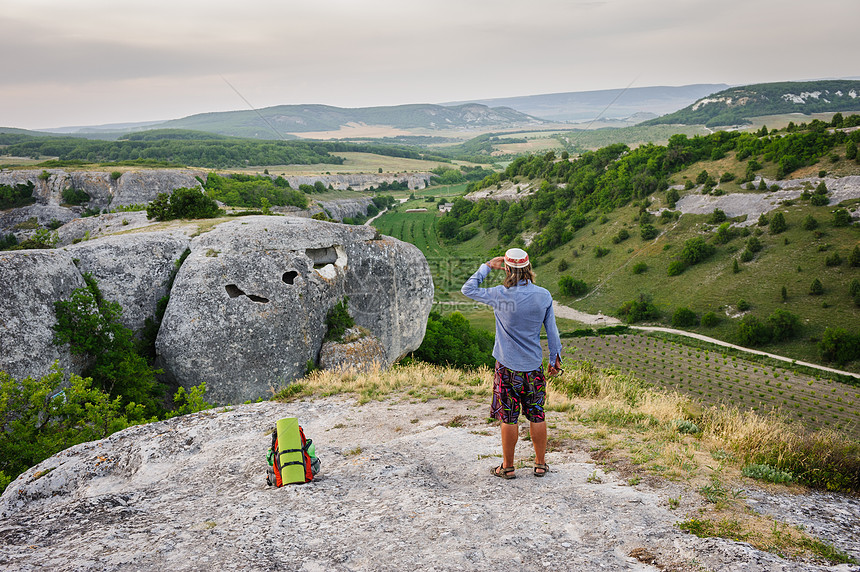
(809, 223)
(851, 150)
(92, 327)
(717, 216)
(701, 178)
(710, 319)
(763, 220)
(841, 217)
(684, 317)
(784, 294)
(735, 267)
(839, 345)
(638, 310)
(672, 197)
(777, 223)
(696, 250)
(182, 203)
(753, 332)
(569, 286)
(854, 259)
(648, 232)
(784, 324)
(816, 288)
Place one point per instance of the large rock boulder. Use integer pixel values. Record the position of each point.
(247, 311)
(141, 187)
(24, 220)
(132, 269)
(30, 282)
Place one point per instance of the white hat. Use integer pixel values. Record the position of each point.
(516, 258)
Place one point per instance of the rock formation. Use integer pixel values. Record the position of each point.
(402, 487)
(30, 282)
(247, 311)
(132, 269)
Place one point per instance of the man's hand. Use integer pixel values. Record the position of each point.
(497, 263)
(555, 368)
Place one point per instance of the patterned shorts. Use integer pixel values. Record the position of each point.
(515, 389)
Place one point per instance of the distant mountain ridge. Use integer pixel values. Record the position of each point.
(278, 121)
(617, 103)
(734, 106)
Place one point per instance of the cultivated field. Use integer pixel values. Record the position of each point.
(716, 378)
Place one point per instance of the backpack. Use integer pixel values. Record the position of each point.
(292, 458)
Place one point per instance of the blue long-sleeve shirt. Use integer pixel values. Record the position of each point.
(520, 312)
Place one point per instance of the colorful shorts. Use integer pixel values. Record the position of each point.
(515, 389)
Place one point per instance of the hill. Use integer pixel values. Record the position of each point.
(275, 122)
(587, 105)
(620, 220)
(734, 106)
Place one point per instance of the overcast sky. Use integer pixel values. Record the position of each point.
(89, 62)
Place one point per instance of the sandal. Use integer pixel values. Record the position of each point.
(503, 472)
(543, 467)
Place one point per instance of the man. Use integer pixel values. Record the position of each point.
(521, 308)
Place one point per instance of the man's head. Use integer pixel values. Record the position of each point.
(517, 267)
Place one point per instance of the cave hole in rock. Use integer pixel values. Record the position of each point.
(322, 256)
(289, 277)
(233, 291)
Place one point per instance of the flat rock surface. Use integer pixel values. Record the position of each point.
(404, 486)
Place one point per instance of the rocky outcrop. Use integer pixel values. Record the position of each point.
(30, 282)
(141, 187)
(132, 269)
(132, 187)
(359, 351)
(247, 311)
(361, 181)
(402, 487)
(24, 219)
(90, 227)
(339, 209)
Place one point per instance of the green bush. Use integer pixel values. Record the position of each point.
(743, 305)
(833, 260)
(839, 345)
(809, 223)
(784, 325)
(753, 332)
(570, 286)
(717, 217)
(684, 317)
(639, 268)
(841, 217)
(676, 267)
(648, 232)
(816, 288)
(182, 203)
(777, 223)
(854, 258)
(710, 319)
(40, 417)
(639, 310)
(18, 196)
(696, 250)
(337, 321)
(451, 340)
(600, 251)
(767, 473)
(74, 196)
(819, 200)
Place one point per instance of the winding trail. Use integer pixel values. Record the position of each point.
(563, 311)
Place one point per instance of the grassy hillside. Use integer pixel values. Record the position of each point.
(273, 122)
(579, 219)
(734, 106)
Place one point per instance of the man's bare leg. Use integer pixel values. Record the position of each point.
(510, 434)
(538, 435)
